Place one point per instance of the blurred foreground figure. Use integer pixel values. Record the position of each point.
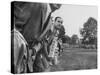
(33, 21)
(18, 52)
(41, 63)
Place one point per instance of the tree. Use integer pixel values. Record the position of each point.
(89, 31)
(74, 39)
(66, 39)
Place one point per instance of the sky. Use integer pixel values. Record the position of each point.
(74, 16)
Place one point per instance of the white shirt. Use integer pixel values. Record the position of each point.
(54, 48)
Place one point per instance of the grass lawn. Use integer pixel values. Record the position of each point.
(76, 59)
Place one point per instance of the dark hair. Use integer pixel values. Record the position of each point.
(57, 17)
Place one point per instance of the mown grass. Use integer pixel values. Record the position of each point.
(78, 59)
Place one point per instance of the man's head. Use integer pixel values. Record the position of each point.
(58, 21)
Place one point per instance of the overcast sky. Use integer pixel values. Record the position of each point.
(74, 17)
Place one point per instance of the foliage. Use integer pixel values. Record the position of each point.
(74, 39)
(66, 39)
(89, 31)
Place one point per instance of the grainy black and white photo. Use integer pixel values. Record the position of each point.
(50, 37)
